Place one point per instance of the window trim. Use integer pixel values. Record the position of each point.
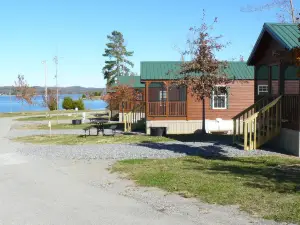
(262, 85)
(213, 99)
(161, 96)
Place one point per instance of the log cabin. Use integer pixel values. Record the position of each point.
(274, 117)
(133, 82)
(174, 108)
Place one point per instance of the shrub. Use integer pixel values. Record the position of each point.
(68, 103)
(52, 105)
(78, 104)
(83, 96)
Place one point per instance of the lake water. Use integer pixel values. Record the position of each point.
(11, 104)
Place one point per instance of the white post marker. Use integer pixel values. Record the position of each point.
(83, 117)
(49, 125)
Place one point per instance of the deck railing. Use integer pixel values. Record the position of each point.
(263, 125)
(128, 106)
(172, 108)
(134, 116)
(157, 108)
(290, 111)
(239, 119)
(177, 108)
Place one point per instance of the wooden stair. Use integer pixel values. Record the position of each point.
(260, 127)
(134, 118)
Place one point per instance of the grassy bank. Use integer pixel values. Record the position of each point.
(81, 140)
(63, 126)
(264, 186)
(36, 113)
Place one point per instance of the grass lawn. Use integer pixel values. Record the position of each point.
(35, 113)
(20, 114)
(81, 140)
(65, 126)
(44, 118)
(265, 186)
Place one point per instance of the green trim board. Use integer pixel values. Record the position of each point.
(170, 70)
(290, 73)
(286, 34)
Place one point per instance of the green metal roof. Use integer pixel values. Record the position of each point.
(286, 34)
(132, 81)
(170, 70)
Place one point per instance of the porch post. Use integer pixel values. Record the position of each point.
(146, 100)
(187, 104)
(281, 79)
(270, 81)
(255, 83)
(167, 98)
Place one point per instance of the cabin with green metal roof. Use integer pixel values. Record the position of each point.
(274, 118)
(174, 108)
(131, 81)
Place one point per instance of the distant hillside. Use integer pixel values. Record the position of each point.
(63, 90)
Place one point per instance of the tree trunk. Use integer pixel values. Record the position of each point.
(203, 116)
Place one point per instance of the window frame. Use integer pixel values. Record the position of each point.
(222, 95)
(139, 96)
(162, 94)
(262, 85)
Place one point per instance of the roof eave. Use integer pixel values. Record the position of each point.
(266, 28)
(249, 61)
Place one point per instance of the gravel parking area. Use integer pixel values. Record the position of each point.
(137, 151)
(128, 151)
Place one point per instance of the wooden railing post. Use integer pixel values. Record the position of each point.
(167, 98)
(234, 131)
(245, 136)
(147, 100)
(255, 133)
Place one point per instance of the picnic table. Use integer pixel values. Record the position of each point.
(98, 123)
(101, 114)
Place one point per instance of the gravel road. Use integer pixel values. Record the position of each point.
(71, 185)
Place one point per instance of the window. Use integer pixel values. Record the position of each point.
(139, 96)
(162, 95)
(262, 89)
(219, 98)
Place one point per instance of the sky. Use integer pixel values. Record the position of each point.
(35, 30)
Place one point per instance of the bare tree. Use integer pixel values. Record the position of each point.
(51, 101)
(286, 8)
(24, 93)
(204, 72)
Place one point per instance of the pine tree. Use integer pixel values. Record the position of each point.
(118, 64)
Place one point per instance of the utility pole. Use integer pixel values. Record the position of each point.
(55, 59)
(46, 91)
(292, 11)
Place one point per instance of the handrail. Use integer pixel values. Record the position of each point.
(238, 120)
(250, 107)
(262, 125)
(130, 118)
(264, 109)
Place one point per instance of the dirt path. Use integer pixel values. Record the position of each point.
(37, 190)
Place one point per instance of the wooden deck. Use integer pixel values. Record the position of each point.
(167, 109)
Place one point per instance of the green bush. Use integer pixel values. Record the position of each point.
(52, 105)
(83, 96)
(97, 93)
(78, 104)
(68, 103)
